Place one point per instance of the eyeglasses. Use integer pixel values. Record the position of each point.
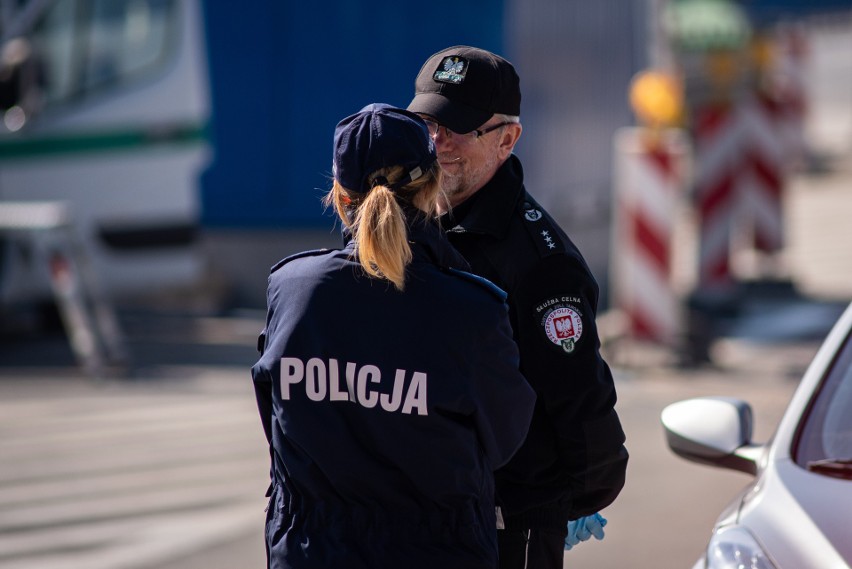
(434, 127)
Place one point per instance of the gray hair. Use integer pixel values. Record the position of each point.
(508, 118)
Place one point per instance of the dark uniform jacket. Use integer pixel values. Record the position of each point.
(573, 462)
(387, 412)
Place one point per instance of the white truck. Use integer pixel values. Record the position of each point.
(104, 106)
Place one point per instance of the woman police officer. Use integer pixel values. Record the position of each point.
(388, 384)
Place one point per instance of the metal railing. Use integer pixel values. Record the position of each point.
(47, 228)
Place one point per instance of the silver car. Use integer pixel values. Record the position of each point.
(797, 512)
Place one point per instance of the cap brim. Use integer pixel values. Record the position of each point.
(455, 116)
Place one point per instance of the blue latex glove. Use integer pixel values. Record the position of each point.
(583, 528)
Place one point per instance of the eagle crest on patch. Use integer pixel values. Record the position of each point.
(561, 323)
(452, 69)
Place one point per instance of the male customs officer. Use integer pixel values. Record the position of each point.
(573, 461)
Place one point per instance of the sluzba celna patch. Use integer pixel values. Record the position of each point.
(561, 322)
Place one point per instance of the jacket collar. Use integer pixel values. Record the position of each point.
(427, 234)
(428, 241)
(490, 209)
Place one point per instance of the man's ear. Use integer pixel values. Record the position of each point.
(508, 139)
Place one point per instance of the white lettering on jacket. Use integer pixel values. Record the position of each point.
(322, 381)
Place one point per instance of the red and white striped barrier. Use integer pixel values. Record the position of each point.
(718, 135)
(649, 183)
(765, 158)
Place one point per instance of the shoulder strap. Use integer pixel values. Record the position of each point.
(295, 256)
(541, 228)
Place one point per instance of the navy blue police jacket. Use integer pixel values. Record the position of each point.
(573, 462)
(386, 411)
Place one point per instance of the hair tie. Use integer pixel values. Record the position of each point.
(379, 181)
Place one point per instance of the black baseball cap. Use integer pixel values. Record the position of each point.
(380, 136)
(463, 86)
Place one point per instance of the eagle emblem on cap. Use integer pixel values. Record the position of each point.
(452, 69)
(453, 66)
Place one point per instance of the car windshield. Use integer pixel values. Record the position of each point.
(825, 435)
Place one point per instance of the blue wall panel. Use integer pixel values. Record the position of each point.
(284, 73)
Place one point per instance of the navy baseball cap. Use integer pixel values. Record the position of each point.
(380, 136)
(462, 87)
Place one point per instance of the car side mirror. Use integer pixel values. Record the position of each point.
(712, 430)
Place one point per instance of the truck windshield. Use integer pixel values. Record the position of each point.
(83, 46)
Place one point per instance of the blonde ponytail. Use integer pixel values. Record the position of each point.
(383, 237)
(378, 222)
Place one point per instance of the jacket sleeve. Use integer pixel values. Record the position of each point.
(504, 401)
(262, 379)
(556, 307)
(263, 395)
